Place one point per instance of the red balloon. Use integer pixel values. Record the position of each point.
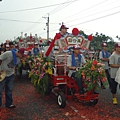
(41, 41)
(58, 36)
(20, 40)
(90, 37)
(75, 31)
(31, 37)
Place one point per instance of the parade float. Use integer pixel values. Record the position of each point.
(28, 43)
(52, 77)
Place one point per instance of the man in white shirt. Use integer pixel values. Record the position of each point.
(73, 62)
(114, 64)
(8, 61)
(104, 57)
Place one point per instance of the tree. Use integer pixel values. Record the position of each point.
(102, 38)
(98, 39)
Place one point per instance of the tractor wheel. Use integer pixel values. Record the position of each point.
(61, 100)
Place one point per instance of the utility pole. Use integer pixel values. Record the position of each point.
(47, 24)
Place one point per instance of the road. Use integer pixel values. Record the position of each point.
(30, 105)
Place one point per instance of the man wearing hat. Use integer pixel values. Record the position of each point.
(115, 65)
(54, 47)
(7, 47)
(104, 57)
(36, 50)
(12, 45)
(73, 62)
(63, 31)
(8, 61)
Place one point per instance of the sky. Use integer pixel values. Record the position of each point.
(18, 17)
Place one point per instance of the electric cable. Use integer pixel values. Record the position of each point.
(35, 8)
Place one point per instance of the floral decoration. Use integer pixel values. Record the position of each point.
(93, 75)
(41, 69)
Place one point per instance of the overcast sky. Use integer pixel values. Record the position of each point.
(30, 16)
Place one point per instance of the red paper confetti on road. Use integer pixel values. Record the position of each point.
(30, 105)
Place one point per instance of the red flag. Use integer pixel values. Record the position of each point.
(57, 36)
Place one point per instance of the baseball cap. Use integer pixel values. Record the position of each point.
(117, 44)
(36, 43)
(23, 51)
(7, 45)
(63, 27)
(104, 45)
(76, 47)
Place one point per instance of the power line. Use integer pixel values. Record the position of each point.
(61, 7)
(35, 8)
(33, 26)
(39, 19)
(93, 14)
(87, 9)
(24, 21)
(55, 10)
(19, 21)
(98, 18)
(93, 19)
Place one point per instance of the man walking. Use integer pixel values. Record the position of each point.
(8, 61)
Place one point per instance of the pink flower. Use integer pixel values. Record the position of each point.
(41, 75)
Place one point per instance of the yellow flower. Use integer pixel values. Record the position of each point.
(49, 63)
(23, 62)
(35, 82)
(49, 71)
(38, 81)
(28, 57)
(30, 74)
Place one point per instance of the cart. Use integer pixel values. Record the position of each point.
(65, 87)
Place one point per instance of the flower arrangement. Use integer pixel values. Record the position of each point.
(93, 75)
(24, 63)
(41, 69)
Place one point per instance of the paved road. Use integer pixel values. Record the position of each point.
(30, 105)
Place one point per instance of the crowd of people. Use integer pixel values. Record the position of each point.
(10, 55)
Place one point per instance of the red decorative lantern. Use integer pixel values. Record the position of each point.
(57, 36)
(31, 37)
(40, 41)
(20, 40)
(75, 31)
(90, 37)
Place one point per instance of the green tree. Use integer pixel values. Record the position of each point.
(98, 39)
